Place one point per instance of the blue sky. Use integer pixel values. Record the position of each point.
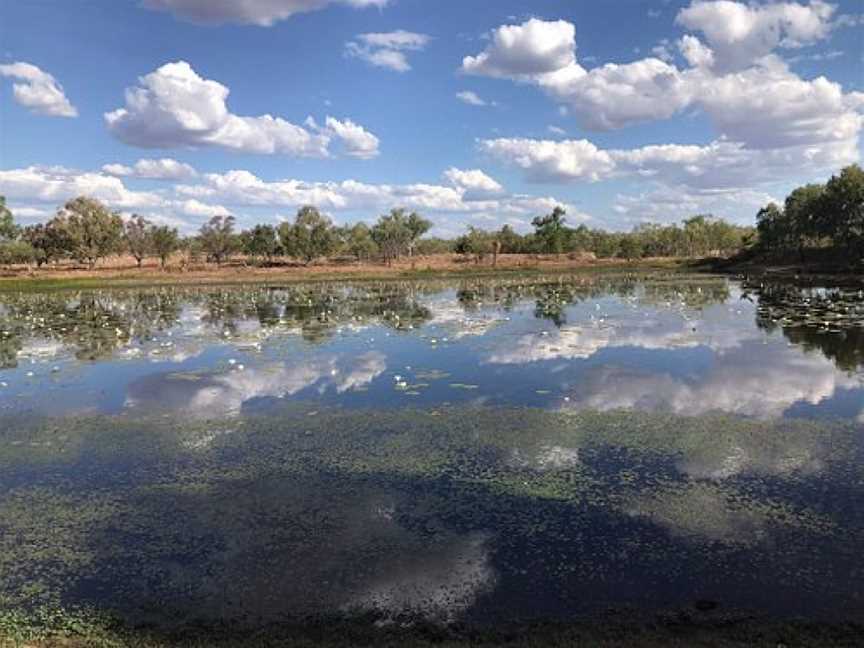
(623, 111)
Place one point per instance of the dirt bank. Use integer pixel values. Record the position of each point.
(124, 272)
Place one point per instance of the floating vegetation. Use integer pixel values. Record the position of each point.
(439, 452)
(463, 386)
(403, 512)
(431, 374)
(828, 320)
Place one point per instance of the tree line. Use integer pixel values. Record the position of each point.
(86, 231)
(699, 236)
(816, 216)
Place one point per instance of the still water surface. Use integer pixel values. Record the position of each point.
(471, 450)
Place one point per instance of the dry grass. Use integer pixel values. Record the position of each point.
(124, 270)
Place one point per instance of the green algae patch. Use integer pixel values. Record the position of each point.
(408, 512)
(717, 513)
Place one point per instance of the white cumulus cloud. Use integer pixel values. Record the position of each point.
(58, 184)
(192, 207)
(37, 90)
(387, 49)
(738, 34)
(263, 13)
(543, 53)
(758, 101)
(771, 124)
(356, 140)
(524, 51)
(550, 161)
(768, 106)
(613, 96)
(175, 107)
(161, 169)
(475, 183)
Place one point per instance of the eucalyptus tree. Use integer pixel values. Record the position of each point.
(630, 247)
(13, 250)
(478, 243)
(802, 212)
(829, 215)
(50, 241)
(93, 231)
(773, 228)
(137, 235)
(165, 241)
(309, 237)
(550, 231)
(217, 238)
(417, 227)
(8, 229)
(392, 235)
(261, 242)
(511, 241)
(842, 215)
(16, 253)
(696, 234)
(358, 241)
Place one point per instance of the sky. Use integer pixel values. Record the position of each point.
(472, 112)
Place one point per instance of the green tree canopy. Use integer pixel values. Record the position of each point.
(775, 232)
(815, 215)
(550, 231)
(477, 243)
(217, 238)
(165, 241)
(511, 241)
(392, 234)
(136, 233)
(417, 227)
(843, 209)
(49, 240)
(93, 231)
(630, 247)
(16, 252)
(261, 241)
(8, 229)
(358, 241)
(309, 237)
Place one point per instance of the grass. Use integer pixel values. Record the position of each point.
(57, 628)
(426, 267)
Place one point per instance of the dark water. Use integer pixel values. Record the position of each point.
(475, 451)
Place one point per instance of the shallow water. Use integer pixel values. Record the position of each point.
(472, 450)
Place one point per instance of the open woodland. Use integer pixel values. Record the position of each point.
(822, 223)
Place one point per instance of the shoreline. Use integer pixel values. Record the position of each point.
(810, 272)
(675, 628)
(432, 267)
(439, 267)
